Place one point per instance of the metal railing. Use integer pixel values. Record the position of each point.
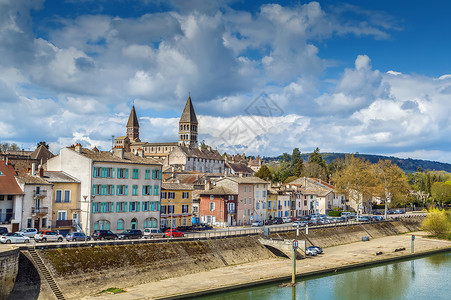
(63, 223)
(42, 193)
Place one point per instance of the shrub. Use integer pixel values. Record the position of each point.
(436, 222)
(333, 213)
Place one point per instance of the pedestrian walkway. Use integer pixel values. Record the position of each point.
(333, 259)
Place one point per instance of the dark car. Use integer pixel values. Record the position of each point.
(103, 235)
(130, 234)
(3, 230)
(77, 236)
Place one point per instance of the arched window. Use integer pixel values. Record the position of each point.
(102, 225)
(150, 223)
(120, 224)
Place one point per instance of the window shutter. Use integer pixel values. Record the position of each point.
(94, 172)
(112, 172)
(112, 189)
(117, 206)
(153, 174)
(144, 190)
(93, 207)
(159, 175)
(103, 189)
(125, 206)
(103, 172)
(137, 205)
(118, 173)
(130, 206)
(118, 190)
(93, 189)
(126, 190)
(156, 190)
(126, 173)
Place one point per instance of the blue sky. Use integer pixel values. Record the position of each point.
(264, 76)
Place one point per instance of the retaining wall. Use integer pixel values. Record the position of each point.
(9, 266)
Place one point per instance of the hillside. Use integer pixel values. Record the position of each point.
(409, 165)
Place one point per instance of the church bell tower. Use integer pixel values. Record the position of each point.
(188, 126)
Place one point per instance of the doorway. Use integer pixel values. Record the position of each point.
(36, 223)
(134, 223)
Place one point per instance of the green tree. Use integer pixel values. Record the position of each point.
(436, 222)
(316, 157)
(295, 157)
(264, 173)
(441, 192)
(43, 143)
(286, 157)
(299, 168)
(314, 170)
(5, 147)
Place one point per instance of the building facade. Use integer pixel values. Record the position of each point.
(11, 198)
(176, 205)
(218, 207)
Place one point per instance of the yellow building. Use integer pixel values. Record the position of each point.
(272, 207)
(176, 204)
(65, 201)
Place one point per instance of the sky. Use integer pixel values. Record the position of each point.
(264, 76)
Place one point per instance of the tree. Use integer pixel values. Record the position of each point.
(286, 157)
(299, 168)
(5, 147)
(316, 157)
(391, 182)
(264, 173)
(43, 143)
(314, 170)
(356, 180)
(436, 222)
(441, 192)
(295, 157)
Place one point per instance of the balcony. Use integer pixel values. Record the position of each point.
(40, 194)
(39, 210)
(231, 211)
(63, 223)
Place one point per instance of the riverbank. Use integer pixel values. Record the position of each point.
(335, 258)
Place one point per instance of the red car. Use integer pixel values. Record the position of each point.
(174, 232)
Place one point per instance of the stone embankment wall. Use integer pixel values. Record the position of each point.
(9, 265)
(339, 235)
(86, 270)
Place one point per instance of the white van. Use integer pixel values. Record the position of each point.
(152, 233)
(348, 214)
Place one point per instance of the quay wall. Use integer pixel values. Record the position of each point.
(9, 266)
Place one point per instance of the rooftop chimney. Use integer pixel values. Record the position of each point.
(140, 152)
(118, 152)
(41, 172)
(78, 148)
(33, 169)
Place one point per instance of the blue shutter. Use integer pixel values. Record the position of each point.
(126, 190)
(125, 206)
(130, 206)
(112, 189)
(93, 189)
(159, 174)
(137, 205)
(118, 173)
(117, 206)
(112, 173)
(144, 190)
(103, 172)
(103, 190)
(126, 173)
(112, 206)
(117, 190)
(93, 207)
(153, 174)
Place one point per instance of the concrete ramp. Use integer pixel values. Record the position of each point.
(284, 246)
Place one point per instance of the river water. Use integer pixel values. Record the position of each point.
(422, 278)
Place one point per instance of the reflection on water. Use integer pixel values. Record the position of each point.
(423, 278)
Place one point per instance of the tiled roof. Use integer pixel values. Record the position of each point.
(59, 176)
(218, 190)
(188, 114)
(204, 153)
(246, 180)
(133, 119)
(176, 186)
(8, 183)
(30, 179)
(42, 153)
(239, 168)
(106, 156)
(160, 144)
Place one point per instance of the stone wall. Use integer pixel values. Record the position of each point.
(9, 266)
(86, 270)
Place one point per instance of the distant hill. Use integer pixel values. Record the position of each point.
(409, 165)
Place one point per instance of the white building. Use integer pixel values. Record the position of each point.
(119, 190)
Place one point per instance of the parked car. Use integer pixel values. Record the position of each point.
(316, 248)
(48, 236)
(310, 252)
(103, 235)
(174, 233)
(257, 223)
(286, 219)
(30, 232)
(130, 234)
(77, 236)
(276, 220)
(153, 233)
(377, 218)
(3, 230)
(299, 223)
(364, 219)
(13, 237)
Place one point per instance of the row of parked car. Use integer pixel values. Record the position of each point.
(26, 234)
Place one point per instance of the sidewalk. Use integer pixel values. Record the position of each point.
(278, 268)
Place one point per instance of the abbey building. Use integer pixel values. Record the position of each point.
(186, 154)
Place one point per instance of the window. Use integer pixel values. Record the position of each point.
(212, 197)
(58, 196)
(44, 223)
(62, 215)
(109, 189)
(147, 176)
(145, 206)
(97, 172)
(171, 195)
(107, 172)
(122, 173)
(66, 196)
(133, 206)
(29, 222)
(96, 207)
(135, 173)
(170, 209)
(184, 221)
(245, 189)
(2, 197)
(107, 207)
(122, 190)
(248, 212)
(212, 206)
(257, 194)
(185, 208)
(156, 191)
(257, 205)
(163, 209)
(120, 224)
(185, 195)
(147, 190)
(102, 225)
(135, 190)
(163, 195)
(96, 189)
(264, 194)
(245, 200)
(269, 204)
(250, 200)
(121, 206)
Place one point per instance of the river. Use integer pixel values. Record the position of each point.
(422, 278)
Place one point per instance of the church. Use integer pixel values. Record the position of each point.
(184, 155)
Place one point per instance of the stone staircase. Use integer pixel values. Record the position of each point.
(45, 273)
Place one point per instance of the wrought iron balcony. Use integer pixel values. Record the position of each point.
(63, 223)
(40, 194)
(39, 210)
